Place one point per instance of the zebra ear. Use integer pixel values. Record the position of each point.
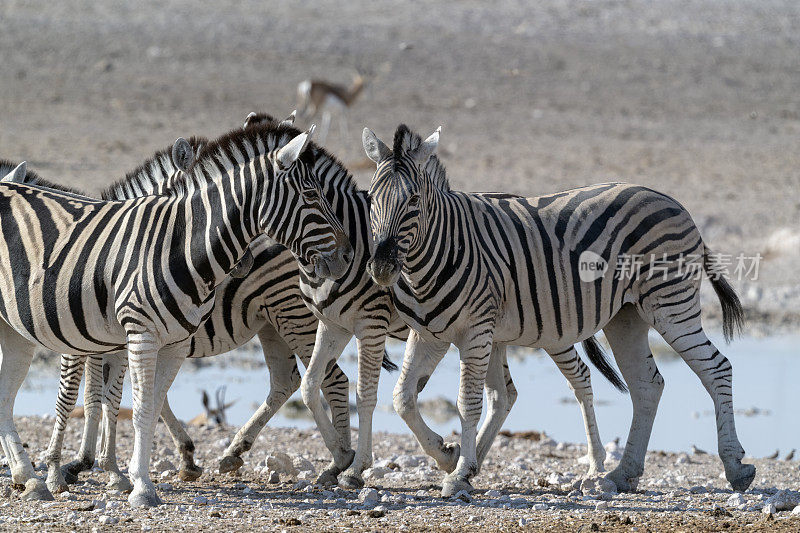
(376, 150)
(18, 174)
(287, 155)
(289, 121)
(249, 119)
(182, 154)
(424, 151)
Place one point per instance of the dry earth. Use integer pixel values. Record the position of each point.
(524, 484)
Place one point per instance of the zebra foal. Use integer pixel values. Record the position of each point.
(483, 271)
(86, 276)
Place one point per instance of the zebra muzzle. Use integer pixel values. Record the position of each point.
(334, 264)
(384, 273)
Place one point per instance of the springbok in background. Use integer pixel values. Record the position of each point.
(319, 96)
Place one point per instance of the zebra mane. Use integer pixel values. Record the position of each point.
(32, 178)
(147, 177)
(271, 135)
(406, 140)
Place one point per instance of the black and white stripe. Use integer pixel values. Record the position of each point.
(481, 270)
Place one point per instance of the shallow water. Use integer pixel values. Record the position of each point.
(765, 384)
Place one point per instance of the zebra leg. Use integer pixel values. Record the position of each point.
(284, 380)
(114, 368)
(715, 372)
(500, 397)
(70, 376)
(15, 360)
(627, 335)
(331, 341)
(370, 356)
(420, 360)
(152, 373)
(474, 366)
(580, 381)
(189, 471)
(92, 411)
(336, 391)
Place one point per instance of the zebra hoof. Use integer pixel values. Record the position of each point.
(451, 452)
(36, 490)
(55, 481)
(351, 481)
(622, 481)
(745, 476)
(327, 478)
(230, 463)
(145, 497)
(453, 485)
(120, 483)
(191, 472)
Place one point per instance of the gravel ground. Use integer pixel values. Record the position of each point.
(524, 484)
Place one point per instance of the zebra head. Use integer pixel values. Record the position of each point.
(311, 230)
(397, 199)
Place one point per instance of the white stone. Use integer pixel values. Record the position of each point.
(368, 494)
(408, 461)
(108, 520)
(282, 464)
(302, 464)
(539, 507)
(785, 500)
(164, 486)
(735, 500)
(492, 493)
(796, 511)
(601, 505)
(769, 509)
(163, 464)
(376, 472)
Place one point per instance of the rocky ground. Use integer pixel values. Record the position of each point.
(528, 482)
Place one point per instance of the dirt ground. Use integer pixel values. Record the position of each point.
(530, 485)
(697, 99)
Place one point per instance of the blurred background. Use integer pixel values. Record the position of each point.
(700, 100)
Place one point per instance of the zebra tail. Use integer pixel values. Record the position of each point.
(732, 311)
(387, 363)
(599, 359)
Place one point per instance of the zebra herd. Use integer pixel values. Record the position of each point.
(262, 232)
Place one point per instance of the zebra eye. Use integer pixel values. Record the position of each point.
(413, 200)
(310, 194)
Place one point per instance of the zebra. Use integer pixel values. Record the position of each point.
(86, 276)
(483, 271)
(266, 303)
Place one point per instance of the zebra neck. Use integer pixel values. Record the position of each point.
(219, 228)
(431, 253)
